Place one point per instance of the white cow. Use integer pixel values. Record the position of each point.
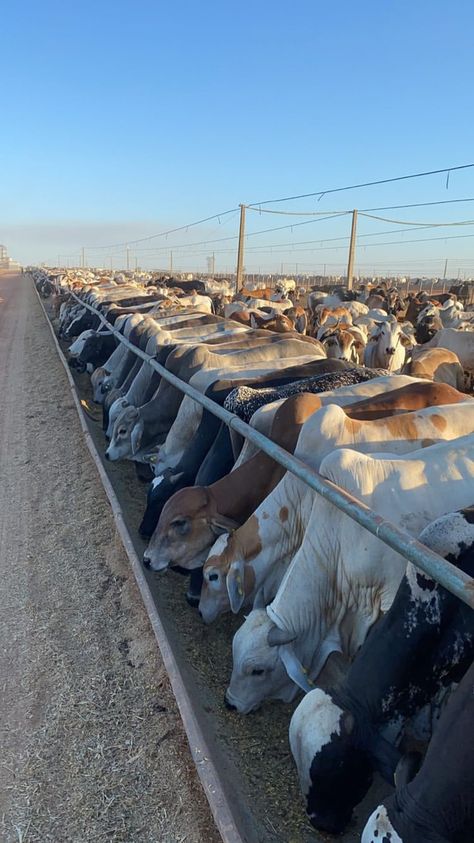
(251, 563)
(343, 577)
(385, 348)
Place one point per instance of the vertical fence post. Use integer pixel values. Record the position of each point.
(240, 251)
(350, 264)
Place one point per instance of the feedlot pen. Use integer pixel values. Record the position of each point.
(250, 754)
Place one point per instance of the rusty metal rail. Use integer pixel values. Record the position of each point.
(435, 566)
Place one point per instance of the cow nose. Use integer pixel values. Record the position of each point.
(146, 561)
(228, 704)
(390, 350)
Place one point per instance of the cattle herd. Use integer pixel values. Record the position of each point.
(370, 389)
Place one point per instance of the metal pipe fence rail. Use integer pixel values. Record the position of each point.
(435, 566)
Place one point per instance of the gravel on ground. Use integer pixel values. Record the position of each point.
(92, 745)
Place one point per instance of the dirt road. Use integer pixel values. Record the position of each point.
(92, 747)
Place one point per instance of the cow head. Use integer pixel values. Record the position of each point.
(343, 345)
(214, 597)
(126, 436)
(188, 526)
(258, 670)
(334, 773)
(228, 582)
(97, 380)
(391, 343)
(117, 407)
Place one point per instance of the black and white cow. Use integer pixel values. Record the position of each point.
(423, 644)
(244, 401)
(437, 806)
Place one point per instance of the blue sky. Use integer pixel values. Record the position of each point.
(124, 119)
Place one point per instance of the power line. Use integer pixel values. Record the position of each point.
(332, 215)
(164, 233)
(322, 193)
(420, 224)
(385, 208)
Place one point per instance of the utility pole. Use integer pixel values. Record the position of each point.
(281, 268)
(240, 251)
(350, 263)
(213, 264)
(324, 272)
(128, 257)
(445, 268)
(171, 263)
(136, 263)
(82, 257)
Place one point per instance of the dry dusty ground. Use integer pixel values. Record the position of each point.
(92, 747)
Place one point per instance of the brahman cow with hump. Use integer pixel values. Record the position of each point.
(251, 563)
(461, 342)
(136, 428)
(148, 432)
(207, 452)
(343, 577)
(437, 806)
(436, 364)
(327, 375)
(423, 644)
(163, 551)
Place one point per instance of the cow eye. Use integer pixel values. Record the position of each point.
(213, 577)
(258, 671)
(121, 431)
(180, 524)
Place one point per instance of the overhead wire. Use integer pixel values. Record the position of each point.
(361, 210)
(164, 233)
(326, 192)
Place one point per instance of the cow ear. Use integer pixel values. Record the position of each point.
(221, 524)
(235, 586)
(136, 436)
(295, 669)
(407, 341)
